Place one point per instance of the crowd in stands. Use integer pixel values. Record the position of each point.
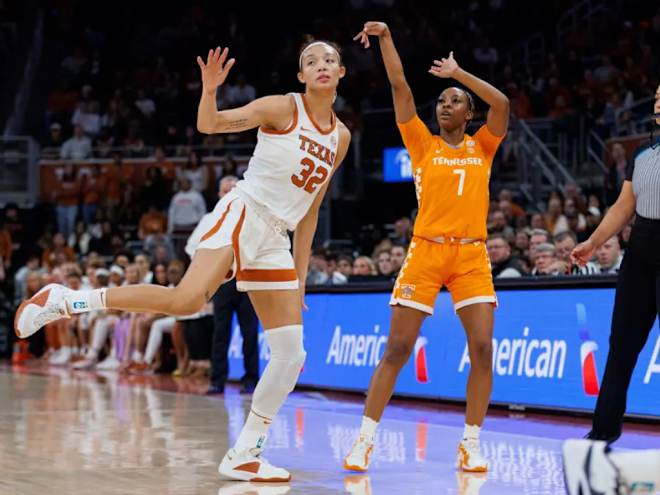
(147, 96)
(96, 255)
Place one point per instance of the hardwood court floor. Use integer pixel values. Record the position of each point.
(90, 433)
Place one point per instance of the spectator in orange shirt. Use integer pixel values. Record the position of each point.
(66, 197)
(515, 208)
(159, 178)
(167, 168)
(521, 105)
(112, 175)
(93, 188)
(5, 245)
(152, 222)
(58, 250)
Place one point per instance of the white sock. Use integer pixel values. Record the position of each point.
(471, 432)
(253, 434)
(368, 428)
(137, 357)
(640, 470)
(82, 301)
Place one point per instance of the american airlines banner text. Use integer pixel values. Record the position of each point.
(549, 349)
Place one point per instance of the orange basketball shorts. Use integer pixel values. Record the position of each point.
(463, 268)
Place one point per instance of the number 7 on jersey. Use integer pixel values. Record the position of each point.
(461, 179)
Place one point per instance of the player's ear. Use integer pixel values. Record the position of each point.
(301, 78)
(342, 71)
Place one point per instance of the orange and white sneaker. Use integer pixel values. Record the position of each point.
(249, 465)
(44, 307)
(358, 457)
(469, 457)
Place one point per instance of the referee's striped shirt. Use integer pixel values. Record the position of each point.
(644, 172)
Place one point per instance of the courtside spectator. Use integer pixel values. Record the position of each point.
(609, 256)
(397, 257)
(564, 244)
(545, 260)
(502, 263)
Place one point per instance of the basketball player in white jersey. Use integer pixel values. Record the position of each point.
(300, 145)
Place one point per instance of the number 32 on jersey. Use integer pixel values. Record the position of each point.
(310, 176)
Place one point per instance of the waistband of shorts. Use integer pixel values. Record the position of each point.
(647, 223)
(444, 239)
(277, 224)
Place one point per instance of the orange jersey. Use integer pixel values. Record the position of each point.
(451, 182)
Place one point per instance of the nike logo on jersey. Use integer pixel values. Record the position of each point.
(305, 129)
(317, 150)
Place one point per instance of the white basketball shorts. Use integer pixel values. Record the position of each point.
(262, 254)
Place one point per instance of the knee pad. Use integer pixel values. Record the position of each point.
(287, 357)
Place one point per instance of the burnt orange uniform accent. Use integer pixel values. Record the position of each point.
(333, 118)
(256, 274)
(234, 241)
(452, 192)
(250, 467)
(218, 224)
(451, 183)
(291, 127)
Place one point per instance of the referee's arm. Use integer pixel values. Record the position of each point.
(617, 216)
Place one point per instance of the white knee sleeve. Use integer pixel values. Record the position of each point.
(287, 357)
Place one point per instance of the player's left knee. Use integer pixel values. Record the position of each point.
(287, 354)
(481, 353)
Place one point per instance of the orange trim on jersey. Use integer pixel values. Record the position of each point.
(333, 118)
(234, 242)
(288, 129)
(265, 275)
(218, 224)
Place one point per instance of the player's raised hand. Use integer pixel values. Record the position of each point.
(371, 29)
(445, 67)
(216, 68)
(583, 252)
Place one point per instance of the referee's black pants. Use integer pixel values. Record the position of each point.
(636, 306)
(226, 300)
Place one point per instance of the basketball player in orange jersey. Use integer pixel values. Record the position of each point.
(451, 173)
(300, 144)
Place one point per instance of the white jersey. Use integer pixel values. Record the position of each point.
(288, 168)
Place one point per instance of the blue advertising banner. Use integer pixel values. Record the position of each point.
(549, 349)
(397, 166)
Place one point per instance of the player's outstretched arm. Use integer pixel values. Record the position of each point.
(404, 103)
(498, 114)
(273, 112)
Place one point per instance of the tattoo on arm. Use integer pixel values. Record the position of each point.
(236, 124)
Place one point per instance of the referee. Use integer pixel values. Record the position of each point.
(637, 301)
